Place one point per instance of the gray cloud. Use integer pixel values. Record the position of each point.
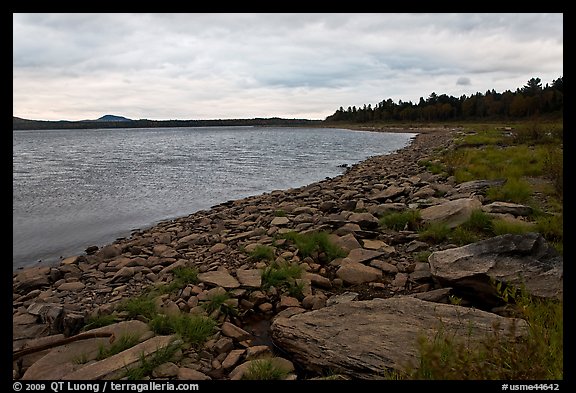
(161, 66)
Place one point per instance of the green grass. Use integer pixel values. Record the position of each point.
(398, 221)
(139, 306)
(194, 329)
(539, 356)
(534, 151)
(433, 167)
(514, 190)
(219, 302)
(100, 321)
(264, 370)
(147, 365)
(281, 275)
(182, 276)
(316, 245)
(422, 256)
(144, 304)
(552, 229)
(262, 252)
(436, 232)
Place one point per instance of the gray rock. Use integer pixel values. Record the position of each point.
(451, 213)
(357, 273)
(362, 339)
(507, 208)
(188, 374)
(251, 278)
(219, 278)
(519, 260)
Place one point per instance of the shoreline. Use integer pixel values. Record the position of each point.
(57, 260)
(54, 302)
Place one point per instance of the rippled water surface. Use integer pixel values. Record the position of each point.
(77, 188)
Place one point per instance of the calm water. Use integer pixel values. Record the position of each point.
(77, 188)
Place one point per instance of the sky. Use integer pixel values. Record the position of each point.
(291, 65)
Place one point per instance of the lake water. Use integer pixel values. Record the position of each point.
(77, 188)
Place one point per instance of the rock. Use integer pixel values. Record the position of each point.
(219, 278)
(115, 366)
(515, 259)
(235, 332)
(188, 374)
(251, 278)
(51, 314)
(216, 248)
(123, 274)
(232, 358)
(165, 370)
(280, 221)
(476, 187)
(318, 280)
(362, 339)
(507, 208)
(451, 213)
(357, 273)
(347, 242)
(31, 279)
(390, 193)
(361, 255)
(110, 251)
(343, 298)
(281, 363)
(365, 220)
(71, 286)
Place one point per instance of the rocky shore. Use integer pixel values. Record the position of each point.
(354, 316)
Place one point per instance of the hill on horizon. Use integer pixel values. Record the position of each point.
(112, 118)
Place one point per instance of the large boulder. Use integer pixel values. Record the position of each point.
(521, 260)
(363, 339)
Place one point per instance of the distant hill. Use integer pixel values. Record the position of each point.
(111, 121)
(112, 118)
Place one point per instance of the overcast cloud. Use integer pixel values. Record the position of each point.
(226, 66)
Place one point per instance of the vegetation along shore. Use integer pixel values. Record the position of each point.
(443, 260)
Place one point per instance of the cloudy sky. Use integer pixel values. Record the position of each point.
(227, 66)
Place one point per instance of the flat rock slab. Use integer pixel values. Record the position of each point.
(362, 339)
(115, 366)
(67, 359)
(250, 278)
(219, 279)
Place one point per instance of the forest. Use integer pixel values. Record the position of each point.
(530, 100)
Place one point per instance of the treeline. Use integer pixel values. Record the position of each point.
(528, 101)
(24, 124)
